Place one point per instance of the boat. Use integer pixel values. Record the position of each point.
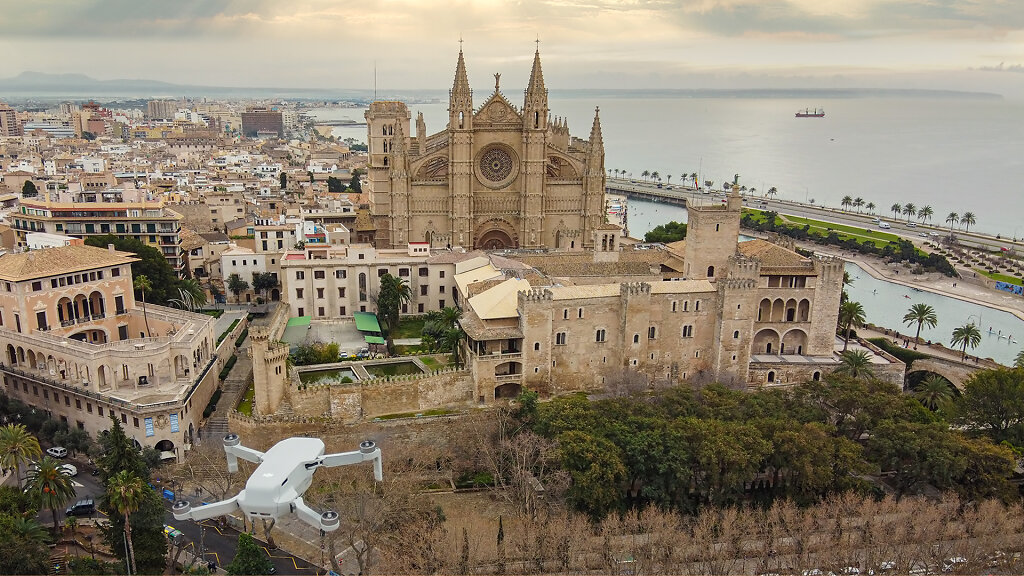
(811, 113)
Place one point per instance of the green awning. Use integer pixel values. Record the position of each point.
(374, 340)
(299, 321)
(367, 322)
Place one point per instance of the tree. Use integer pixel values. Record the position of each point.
(952, 219)
(23, 546)
(851, 315)
(394, 292)
(1018, 362)
(966, 336)
(125, 492)
(915, 453)
(142, 285)
(645, 174)
(263, 281)
(920, 314)
(858, 203)
(284, 180)
(655, 175)
(596, 468)
(871, 207)
(29, 190)
(151, 263)
(967, 220)
(17, 447)
(909, 210)
(846, 202)
(896, 209)
(335, 184)
(993, 400)
(354, 182)
(249, 559)
(666, 233)
(236, 286)
(856, 364)
(50, 487)
(772, 192)
(925, 213)
(933, 392)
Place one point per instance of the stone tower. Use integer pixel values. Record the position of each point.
(383, 120)
(825, 309)
(269, 371)
(460, 128)
(594, 179)
(535, 130)
(712, 232)
(737, 295)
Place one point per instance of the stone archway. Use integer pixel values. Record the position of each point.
(496, 234)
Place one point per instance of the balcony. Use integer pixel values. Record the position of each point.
(67, 323)
(99, 316)
(120, 311)
(506, 378)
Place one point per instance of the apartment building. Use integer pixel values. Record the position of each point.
(76, 346)
(117, 211)
(9, 124)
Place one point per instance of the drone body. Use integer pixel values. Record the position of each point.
(284, 474)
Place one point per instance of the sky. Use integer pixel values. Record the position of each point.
(950, 44)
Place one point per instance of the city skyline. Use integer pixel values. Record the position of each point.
(319, 44)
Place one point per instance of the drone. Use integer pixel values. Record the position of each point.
(284, 474)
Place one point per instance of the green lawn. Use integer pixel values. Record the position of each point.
(245, 406)
(396, 369)
(1001, 277)
(434, 412)
(432, 363)
(409, 327)
(879, 238)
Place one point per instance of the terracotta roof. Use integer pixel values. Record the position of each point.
(477, 329)
(59, 260)
(773, 255)
(630, 263)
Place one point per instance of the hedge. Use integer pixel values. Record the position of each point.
(241, 337)
(212, 404)
(226, 332)
(905, 355)
(227, 366)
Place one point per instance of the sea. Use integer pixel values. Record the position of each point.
(955, 154)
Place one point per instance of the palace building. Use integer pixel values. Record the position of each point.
(499, 176)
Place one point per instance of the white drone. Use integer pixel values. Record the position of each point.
(284, 474)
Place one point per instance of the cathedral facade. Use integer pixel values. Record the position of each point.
(498, 176)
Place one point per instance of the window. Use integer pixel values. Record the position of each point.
(674, 305)
(560, 339)
(37, 286)
(580, 312)
(88, 407)
(320, 311)
(440, 304)
(299, 274)
(381, 272)
(341, 292)
(423, 272)
(696, 306)
(135, 421)
(688, 331)
(341, 311)
(340, 274)
(636, 338)
(441, 288)
(78, 404)
(600, 335)
(119, 304)
(652, 332)
(302, 311)
(735, 334)
(115, 272)
(320, 294)
(122, 332)
(536, 346)
(99, 410)
(298, 294)
(403, 272)
(67, 400)
(423, 290)
(318, 274)
(686, 305)
(419, 308)
(565, 314)
(442, 273)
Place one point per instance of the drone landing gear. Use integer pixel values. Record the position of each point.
(268, 525)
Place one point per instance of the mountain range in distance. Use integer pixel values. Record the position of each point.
(43, 86)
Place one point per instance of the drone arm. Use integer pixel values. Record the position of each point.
(367, 451)
(248, 454)
(234, 450)
(328, 521)
(183, 511)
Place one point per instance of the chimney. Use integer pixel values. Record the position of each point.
(110, 247)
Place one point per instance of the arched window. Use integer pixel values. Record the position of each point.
(711, 271)
(771, 376)
(385, 160)
(362, 287)
(536, 119)
(461, 120)
(816, 376)
(636, 338)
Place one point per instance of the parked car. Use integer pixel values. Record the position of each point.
(69, 469)
(884, 225)
(57, 451)
(86, 507)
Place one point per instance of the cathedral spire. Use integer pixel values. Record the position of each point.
(460, 89)
(460, 99)
(596, 139)
(536, 105)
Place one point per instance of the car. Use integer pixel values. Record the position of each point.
(85, 507)
(172, 534)
(923, 234)
(57, 451)
(69, 469)
(911, 225)
(884, 225)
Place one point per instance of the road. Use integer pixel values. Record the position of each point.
(86, 486)
(834, 215)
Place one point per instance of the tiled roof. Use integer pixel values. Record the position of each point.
(630, 263)
(772, 255)
(59, 260)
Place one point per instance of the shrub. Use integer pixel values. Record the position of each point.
(226, 332)
(212, 404)
(905, 355)
(241, 337)
(227, 366)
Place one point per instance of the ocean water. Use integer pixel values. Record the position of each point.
(953, 154)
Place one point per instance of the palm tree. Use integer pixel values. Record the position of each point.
(772, 192)
(871, 207)
(858, 203)
(845, 202)
(856, 364)
(33, 542)
(966, 335)
(925, 213)
(142, 284)
(851, 315)
(920, 314)
(952, 219)
(693, 176)
(896, 209)
(967, 220)
(452, 340)
(50, 486)
(655, 175)
(668, 179)
(909, 210)
(394, 292)
(17, 447)
(645, 174)
(1018, 362)
(125, 492)
(933, 392)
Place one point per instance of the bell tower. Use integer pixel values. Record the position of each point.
(535, 131)
(460, 132)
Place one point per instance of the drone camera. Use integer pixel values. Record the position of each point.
(230, 441)
(329, 521)
(181, 508)
(367, 446)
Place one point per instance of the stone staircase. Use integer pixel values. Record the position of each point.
(232, 389)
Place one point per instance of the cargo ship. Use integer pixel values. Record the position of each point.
(809, 113)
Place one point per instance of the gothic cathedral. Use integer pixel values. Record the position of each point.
(498, 177)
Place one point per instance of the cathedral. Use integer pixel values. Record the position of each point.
(499, 176)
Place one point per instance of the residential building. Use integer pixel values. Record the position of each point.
(9, 124)
(262, 120)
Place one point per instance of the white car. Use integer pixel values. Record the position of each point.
(69, 469)
(57, 451)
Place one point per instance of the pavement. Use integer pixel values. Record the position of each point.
(224, 322)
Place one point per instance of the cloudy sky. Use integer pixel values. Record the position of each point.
(955, 44)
